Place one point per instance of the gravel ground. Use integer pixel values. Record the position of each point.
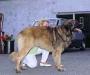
(75, 63)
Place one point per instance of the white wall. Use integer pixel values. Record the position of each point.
(19, 14)
(72, 5)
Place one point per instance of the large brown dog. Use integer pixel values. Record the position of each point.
(53, 39)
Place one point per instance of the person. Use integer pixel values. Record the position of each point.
(78, 39)
(30, 60)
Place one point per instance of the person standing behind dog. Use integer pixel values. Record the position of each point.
(78, 38)
(30, 60)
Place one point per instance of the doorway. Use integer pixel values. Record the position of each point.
(84, 18)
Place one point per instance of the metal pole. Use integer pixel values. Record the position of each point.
(73, 16)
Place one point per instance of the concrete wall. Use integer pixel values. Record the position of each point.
(72, 5)
(19, 14)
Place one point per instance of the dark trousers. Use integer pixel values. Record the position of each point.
(77, 43)
(8, 46)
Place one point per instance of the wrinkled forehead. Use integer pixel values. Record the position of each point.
(70, 21)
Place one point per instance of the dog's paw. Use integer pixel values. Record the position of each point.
(60, 68)
(18, 70)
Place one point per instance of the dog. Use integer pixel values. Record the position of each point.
(53, 39)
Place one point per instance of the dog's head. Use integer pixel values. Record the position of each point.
(69, 24)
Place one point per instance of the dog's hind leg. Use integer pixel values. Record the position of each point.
(24, 47)
(21, 54)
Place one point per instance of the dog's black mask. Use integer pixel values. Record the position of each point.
(69, 25)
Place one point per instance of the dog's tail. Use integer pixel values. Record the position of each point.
(13, 56)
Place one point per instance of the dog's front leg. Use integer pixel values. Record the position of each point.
(57, 59)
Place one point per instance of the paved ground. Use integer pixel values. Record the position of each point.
(75, 63)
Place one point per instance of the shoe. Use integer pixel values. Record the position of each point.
(45, 64)
(23, 67)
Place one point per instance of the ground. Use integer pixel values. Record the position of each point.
(75, 63)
